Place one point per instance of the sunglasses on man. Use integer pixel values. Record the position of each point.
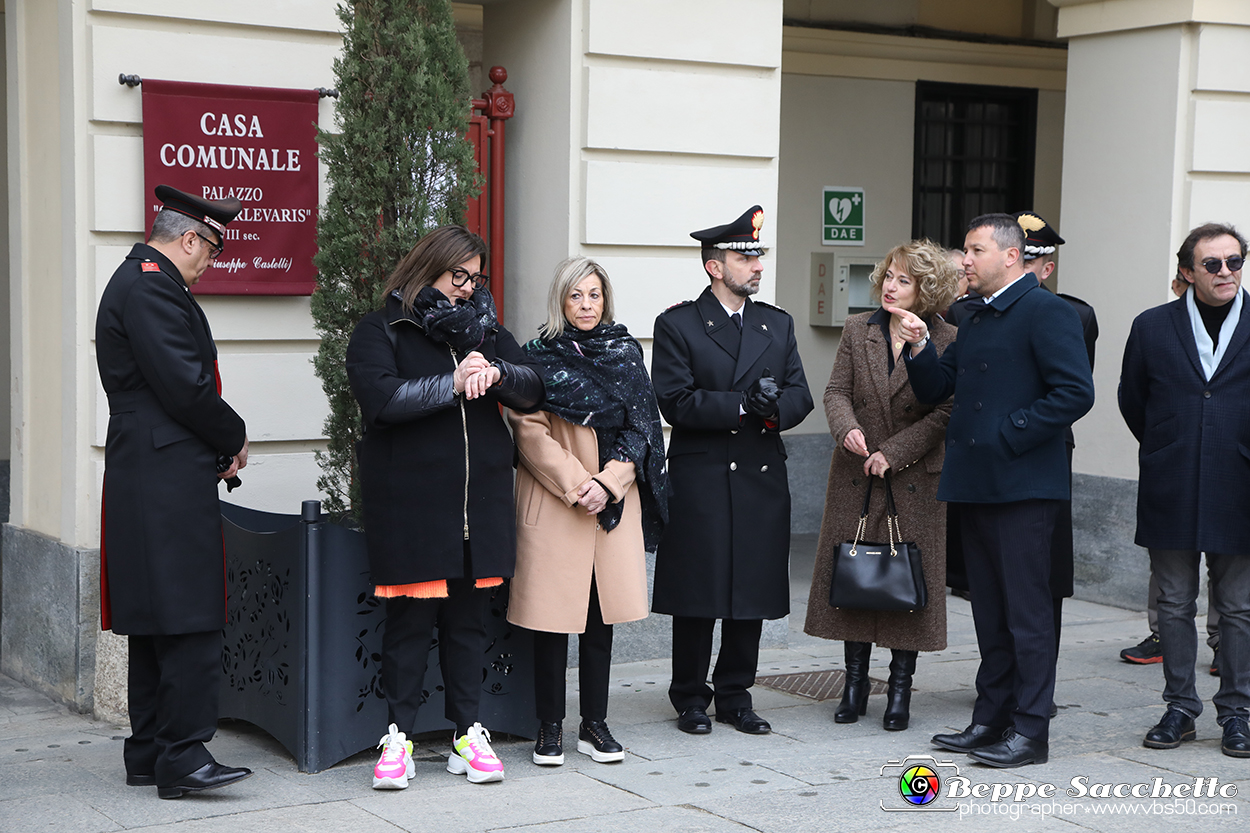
(1213, 264)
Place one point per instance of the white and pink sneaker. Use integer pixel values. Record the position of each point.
(395, 766)
(471, 755)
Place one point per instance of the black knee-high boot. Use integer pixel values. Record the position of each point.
(855, 692)
(898, 702)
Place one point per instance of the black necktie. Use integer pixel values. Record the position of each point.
(737, 319)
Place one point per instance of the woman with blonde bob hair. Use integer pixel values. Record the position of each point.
(591, 498)
(879, 426)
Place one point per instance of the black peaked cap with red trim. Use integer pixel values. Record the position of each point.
(214, 214)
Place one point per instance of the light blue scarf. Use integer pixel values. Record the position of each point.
(1208, 353)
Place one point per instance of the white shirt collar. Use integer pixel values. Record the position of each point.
(730, 312)
(1008, 286)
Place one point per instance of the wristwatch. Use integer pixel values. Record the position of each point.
(919, 345)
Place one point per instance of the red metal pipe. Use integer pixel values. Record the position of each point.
(500, 107)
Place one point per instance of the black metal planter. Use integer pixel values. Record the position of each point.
(303, 642)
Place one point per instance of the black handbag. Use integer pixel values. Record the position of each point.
(868, 576)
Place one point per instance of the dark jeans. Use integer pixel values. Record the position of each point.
(594, 663)
(1176, 571)
(461, 640)
(1152, 611)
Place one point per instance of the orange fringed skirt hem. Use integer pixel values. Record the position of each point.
(426, 589)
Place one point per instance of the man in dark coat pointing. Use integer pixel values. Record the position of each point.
(728, 378)
(162, 566)
(1020, 376)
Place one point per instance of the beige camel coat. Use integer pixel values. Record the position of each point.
(863, 393)
(558, 545)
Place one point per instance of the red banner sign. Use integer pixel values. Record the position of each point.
(257, 145)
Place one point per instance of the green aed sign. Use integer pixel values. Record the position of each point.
(843, 216)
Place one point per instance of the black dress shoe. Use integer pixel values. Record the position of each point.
(140, 779)
(974, 737)
(694, 721)
(744, 720)
(208, 777)
(1176, 726)
(1236, 742)
(1013, 751)
(1054, 708)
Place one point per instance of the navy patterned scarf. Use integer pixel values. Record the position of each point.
(598, 378)
(463, 326)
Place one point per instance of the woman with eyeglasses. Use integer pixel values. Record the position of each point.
(430, 370)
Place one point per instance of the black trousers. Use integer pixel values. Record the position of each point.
(1007, 549)
(174, 684)
(594, 663)
(410, 624)
(735, 664)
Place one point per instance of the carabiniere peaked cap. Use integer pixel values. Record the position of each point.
(1040, 238)
(213, 214)
(742, 235)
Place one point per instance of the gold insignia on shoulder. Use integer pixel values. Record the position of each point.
(1031, 222)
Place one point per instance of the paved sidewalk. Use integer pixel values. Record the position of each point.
(61, 771)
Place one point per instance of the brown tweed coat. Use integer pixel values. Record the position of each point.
(862, 393)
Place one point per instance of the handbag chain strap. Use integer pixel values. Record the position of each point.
(893, 532)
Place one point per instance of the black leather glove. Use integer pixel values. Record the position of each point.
(761, 398)
(224, 461)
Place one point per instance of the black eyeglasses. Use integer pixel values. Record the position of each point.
(460, 277)
(1213, 264)
(216, 249)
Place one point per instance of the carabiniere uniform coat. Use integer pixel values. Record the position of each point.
(162, 565)
(725, 552)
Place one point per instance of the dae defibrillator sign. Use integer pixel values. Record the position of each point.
(843, 216)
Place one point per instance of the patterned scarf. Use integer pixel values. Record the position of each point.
(598, 378)
(463, 326)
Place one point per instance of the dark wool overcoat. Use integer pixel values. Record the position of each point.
(1061, 550)
(726, 549)
(431, 482)
(1194, 459)
(1020, 377)
(863, 393)
(162, 565)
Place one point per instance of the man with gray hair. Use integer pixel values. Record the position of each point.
(1183, 389)
(1020, 377)
(171, 439)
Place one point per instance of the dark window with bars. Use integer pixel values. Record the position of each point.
(973, 155)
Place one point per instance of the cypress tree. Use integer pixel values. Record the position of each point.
(398, 166)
